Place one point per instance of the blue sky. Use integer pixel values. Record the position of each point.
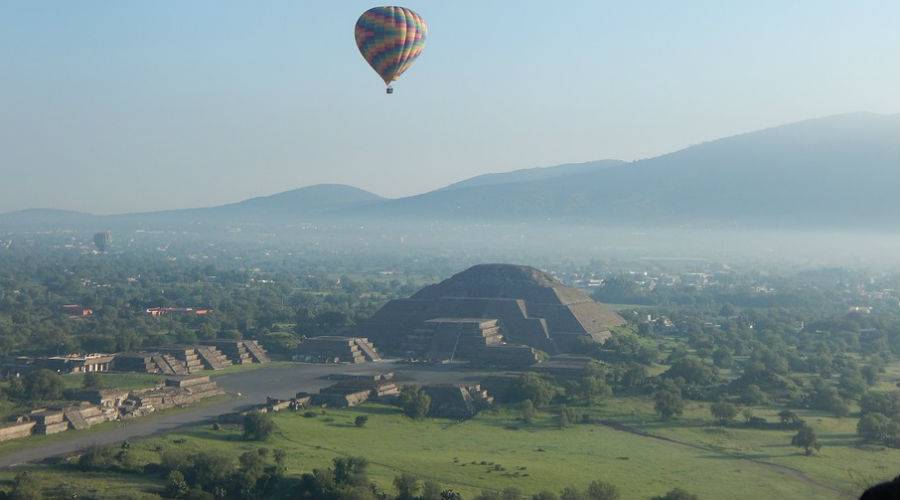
(123, 106)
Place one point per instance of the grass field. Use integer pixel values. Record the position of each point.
(116, 380)
(495, 450)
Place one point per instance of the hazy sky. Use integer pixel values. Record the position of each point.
(114, 106)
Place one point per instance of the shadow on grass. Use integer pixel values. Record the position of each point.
(222, 435)
(376, 410)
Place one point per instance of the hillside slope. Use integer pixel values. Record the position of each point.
(836, 171)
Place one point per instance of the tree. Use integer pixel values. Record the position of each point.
(668, 404)
(532, 386)
(570, 493)
(92, 381)
(407, 486)
(528, 411)
(361, 420)
(723, 412)
(431, 490)
(753, 395)
(544, 495)
(601, 490)
(722, 358)
(350, 471)
(789, 419)
(886, 403)
(877, 428)
(676, 494)
(870, 374)
(209, 470)
(176, 486)
(748, 415)
(693, 371)
(852, 383)
(565, 417)
(258, 426)
(594, 389)
(806, 439)
(43, 385)
(415, 402)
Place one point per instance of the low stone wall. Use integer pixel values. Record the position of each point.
(16, 431)
(113, 405)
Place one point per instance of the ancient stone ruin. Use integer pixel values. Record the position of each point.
(530, 307)
(177, 391)
(98, 406)
(332, 349)
(240, 352)
(351, 390)
(183, 360)
(457, 401)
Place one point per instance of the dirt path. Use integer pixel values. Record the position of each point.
(782, 469)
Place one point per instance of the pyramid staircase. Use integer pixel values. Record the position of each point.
(368, 349)
(73, 415)
(240, 352)
(168, 365)
(211, 358)
(183, 356)
(256, 351)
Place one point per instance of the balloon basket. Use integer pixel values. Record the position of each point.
(389, 90)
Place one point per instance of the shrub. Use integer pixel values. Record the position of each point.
(43, 385)
(407, 486)
(92, 380)
(668, 404)
(176, 485)
(26, 487)
(258, 426)
(601, 490)
(528, 411)
(806, 439)
(676, 494)
(723, 412)
(360, 420)
(415, 402)
(877, 428)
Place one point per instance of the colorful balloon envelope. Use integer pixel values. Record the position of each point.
(390, 39)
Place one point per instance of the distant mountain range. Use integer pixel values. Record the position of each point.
(841, 171)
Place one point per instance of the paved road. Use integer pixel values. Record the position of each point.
(253, 387)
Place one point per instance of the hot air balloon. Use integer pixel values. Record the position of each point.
(390, 39)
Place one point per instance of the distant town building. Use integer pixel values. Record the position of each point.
(188, 311)
(71, 363)
(77, 311)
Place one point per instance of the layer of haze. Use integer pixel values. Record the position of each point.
(129, 106)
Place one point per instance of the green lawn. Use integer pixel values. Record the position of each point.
(62, 483)
(116, 380)
(712, 462)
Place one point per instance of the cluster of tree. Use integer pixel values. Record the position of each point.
(258, 474)
(880, 421)
(36, 386)
(597, 490)
(414, 402)
(275, 307)
(258, 426)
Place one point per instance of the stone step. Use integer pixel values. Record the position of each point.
(73, 416)
(368, 349)
(257, 352)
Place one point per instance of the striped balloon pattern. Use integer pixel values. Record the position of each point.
(390, 39)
